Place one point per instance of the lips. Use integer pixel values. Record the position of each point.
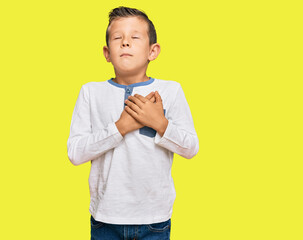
(125, 55)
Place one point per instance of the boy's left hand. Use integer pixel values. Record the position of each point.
(146, 112)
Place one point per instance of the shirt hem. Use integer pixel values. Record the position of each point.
(128, 221)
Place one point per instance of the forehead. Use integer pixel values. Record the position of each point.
(128, 24)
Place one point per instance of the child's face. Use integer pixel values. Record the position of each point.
(129, 49)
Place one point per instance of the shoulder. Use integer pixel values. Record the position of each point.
(168, 84)
(168, 90)
(92, 85)
(90, 89)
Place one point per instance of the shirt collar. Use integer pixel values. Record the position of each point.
(151, 80)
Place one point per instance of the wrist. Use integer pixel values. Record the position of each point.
(121, 127)
(162, 126)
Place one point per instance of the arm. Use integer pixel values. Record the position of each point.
(180, 136)
(82, 144)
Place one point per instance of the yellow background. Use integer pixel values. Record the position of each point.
(240, 65)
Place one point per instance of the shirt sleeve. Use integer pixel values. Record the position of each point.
(180, 136)
(82, 144)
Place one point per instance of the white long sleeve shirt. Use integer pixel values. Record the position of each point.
(130, 179)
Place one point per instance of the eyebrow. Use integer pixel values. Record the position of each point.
(132, 32)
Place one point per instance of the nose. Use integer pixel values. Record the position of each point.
(125, 43)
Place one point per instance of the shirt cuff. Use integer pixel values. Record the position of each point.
(112, 128)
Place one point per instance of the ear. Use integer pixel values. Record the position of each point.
(154, 51)
(106, 53)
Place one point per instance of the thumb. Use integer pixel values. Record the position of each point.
(158, 97)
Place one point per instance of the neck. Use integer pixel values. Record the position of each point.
(127, 80)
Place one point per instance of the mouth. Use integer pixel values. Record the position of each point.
(126, 55)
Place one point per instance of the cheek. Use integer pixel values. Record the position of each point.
(113, 45)
(144, 49)
(113, 53)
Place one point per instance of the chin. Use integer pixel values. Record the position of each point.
(126, 71)
(130, 68)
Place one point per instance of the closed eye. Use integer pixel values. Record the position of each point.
(135, 37)
(117, 38)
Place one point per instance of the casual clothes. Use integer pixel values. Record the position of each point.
(130, 179)
(156, 231)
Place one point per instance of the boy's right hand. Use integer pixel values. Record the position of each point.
(127, 123)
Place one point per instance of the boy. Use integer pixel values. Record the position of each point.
(129, 127)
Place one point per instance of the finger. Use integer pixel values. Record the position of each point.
(158, 97)
(153, 99)
(135, 100)
(149, 96)
(131, 112)
(141, 98)
(133, 106)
